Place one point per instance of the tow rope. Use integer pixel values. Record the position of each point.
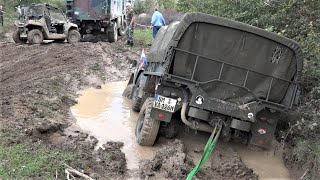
(207, 150)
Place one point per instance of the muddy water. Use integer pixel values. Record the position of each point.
(105, 114)
(267, 164)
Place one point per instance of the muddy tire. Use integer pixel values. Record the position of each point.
(73, 36)
(147, 128)
(35, 36)
(16, 37)
(136, 100)
(127, 92)
(122, 29)
(113, 33)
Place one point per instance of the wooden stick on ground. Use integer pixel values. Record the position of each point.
(304, 174)
(73, 171)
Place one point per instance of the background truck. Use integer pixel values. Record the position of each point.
(99, 16)
(211, 70)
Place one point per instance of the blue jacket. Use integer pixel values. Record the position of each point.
(157, 19)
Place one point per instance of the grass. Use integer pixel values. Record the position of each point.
(56, 84)
(143, 36)
(28, 161)
(8, 23)
(301, 151)
(318, 150)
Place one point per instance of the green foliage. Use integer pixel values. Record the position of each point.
(143, 6)
(301, 151)
(167, 4)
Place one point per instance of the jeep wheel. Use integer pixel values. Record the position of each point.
(74, 36)
(146, 128)
(122, 29)
(113, 33)
(127, 92)
(35, 36)
(17, 39)
(136, 100)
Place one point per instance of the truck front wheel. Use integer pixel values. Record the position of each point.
(113, 33)
(146, 128)
(35, 36)
(17, 39)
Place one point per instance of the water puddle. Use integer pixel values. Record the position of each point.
(268, 164)
(105, 114)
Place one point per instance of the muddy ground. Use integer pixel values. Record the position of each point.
(38, 87)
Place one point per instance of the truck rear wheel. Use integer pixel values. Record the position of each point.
(113, 33)
(74, 36)
(147, 128)
(35, 36)
(17, 39)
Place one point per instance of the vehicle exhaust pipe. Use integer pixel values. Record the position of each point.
(193, 124)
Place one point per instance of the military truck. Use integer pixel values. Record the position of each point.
(210, 70)
(99, 16)
(40, 22)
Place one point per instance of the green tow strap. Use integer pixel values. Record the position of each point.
(206, 152)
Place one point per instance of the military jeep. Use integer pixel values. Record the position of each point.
(44, 22)
(211, 70)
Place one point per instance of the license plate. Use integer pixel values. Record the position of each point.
(164, 103)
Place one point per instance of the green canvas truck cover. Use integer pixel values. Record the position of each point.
(263, 53)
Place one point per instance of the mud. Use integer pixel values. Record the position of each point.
(38, 84)
(106, 115)
(171, 161)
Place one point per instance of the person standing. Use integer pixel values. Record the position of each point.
(18, 9)
(157, 22)
(130, 23)
(1, 14)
